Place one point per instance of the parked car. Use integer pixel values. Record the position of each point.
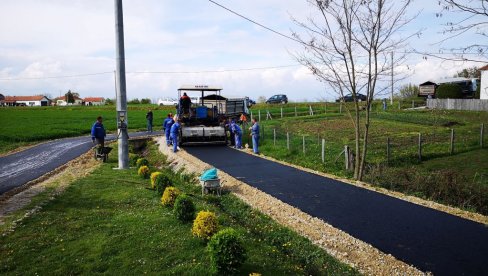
(280, 98)
(167, 101)
(349, 98)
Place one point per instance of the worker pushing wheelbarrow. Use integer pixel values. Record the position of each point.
(98, 138)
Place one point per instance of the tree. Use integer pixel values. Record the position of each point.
(469, 73)
(409, 91)
(475, 20)
(134, 101)
(261, 99)
(145, 101)
(348, 46)
(69, 97)
(109, 101)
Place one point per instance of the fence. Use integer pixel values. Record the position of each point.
(381, 149)
(458, 104)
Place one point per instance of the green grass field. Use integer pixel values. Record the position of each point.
(110, 223)
(27, 125)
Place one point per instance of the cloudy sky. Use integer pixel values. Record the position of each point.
(43, 40)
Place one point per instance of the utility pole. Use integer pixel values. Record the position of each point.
(391, 98)
(122, 134)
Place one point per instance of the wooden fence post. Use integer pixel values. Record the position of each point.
(303, 139)
(311, 110)
(259, 115)
(481, 135)
(251, 115)
(323, 150)
(399, 105)
(413, 104)
(296, 111)
(340, 108)
(451, 148)
(420, 146)
(388, 150)
(346, 156)
(282, 113)
(274, 136)
(288, 140)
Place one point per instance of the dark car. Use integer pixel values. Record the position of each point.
(349, 98)
(280, 98)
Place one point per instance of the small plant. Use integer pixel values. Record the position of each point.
(142, 162)
(153, 177)
(227, 252)
(143, 172)
(169, 196)
(184, 208)
(205, 225)
(133, 159)
(161, 182)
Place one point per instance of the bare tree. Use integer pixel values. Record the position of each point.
(475, 20)
(347, 46)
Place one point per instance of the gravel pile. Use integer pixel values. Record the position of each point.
(360, 255)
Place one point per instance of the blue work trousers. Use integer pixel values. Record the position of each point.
(174, 139)
(149, 125)
(255, 143)
(238, 137)
(168, 138)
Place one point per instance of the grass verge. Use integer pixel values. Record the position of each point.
(110, 222)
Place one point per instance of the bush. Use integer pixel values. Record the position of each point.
(169, 196)
(153, 179)
(227, 252)
(143, 172)
(161, 182)
(133, 159)
(449, 91)
(184, 208)
(205, 225)
(142, 162)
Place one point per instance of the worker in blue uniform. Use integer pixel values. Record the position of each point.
(236, 129)
(175, 131)
(168, 122)
(255, 135)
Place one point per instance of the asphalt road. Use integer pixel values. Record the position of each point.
(428, 239)
(21, 167)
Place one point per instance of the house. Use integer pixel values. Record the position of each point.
(38, 100)
(484, 83)
(61, 101)
(94, 101)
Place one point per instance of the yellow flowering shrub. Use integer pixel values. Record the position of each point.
(143, 171)
(154, 175)
(205, 225)
(169, 196)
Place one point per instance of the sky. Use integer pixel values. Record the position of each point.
(170, 43)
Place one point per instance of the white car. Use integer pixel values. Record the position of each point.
(168, 101)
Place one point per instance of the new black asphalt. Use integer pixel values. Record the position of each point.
(21, 167)
(428, 239)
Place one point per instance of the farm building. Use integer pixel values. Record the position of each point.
(25, 101)
(94, 101)
(484, 83)
(61, 101)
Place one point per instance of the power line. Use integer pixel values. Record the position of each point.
(254, 22)
(157, 72)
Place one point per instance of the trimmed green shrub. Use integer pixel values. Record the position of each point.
(449, 91)
(144, 172)
(161, 182)
(133, 159)
(184, 208)
(227, 252)
(169, 196)
(142, 162)
(205, 225)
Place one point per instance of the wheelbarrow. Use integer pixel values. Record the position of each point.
(102, 153)
(212, 185)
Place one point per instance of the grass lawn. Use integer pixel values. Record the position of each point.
(109, 222)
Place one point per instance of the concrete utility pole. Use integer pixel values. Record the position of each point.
(121, 89)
